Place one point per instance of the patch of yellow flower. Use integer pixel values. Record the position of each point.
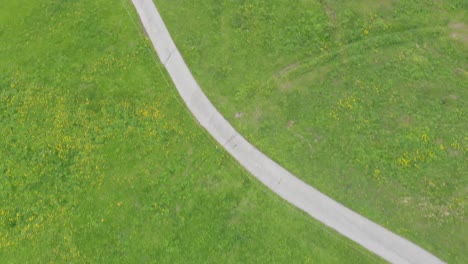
(348, 102)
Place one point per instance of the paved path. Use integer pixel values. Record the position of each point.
(375, 238)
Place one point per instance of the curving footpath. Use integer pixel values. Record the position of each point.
(375, 238)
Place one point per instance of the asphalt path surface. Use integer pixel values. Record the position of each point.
(370, 235)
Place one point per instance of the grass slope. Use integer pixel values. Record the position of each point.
(364, 100)
(101, 163)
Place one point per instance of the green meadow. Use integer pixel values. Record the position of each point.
(101, 162)
(364, 100)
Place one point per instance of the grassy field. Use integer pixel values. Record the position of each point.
(100, 162)
(364, 100)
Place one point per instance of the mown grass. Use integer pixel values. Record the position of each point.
(365, 100)
(100, 162)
